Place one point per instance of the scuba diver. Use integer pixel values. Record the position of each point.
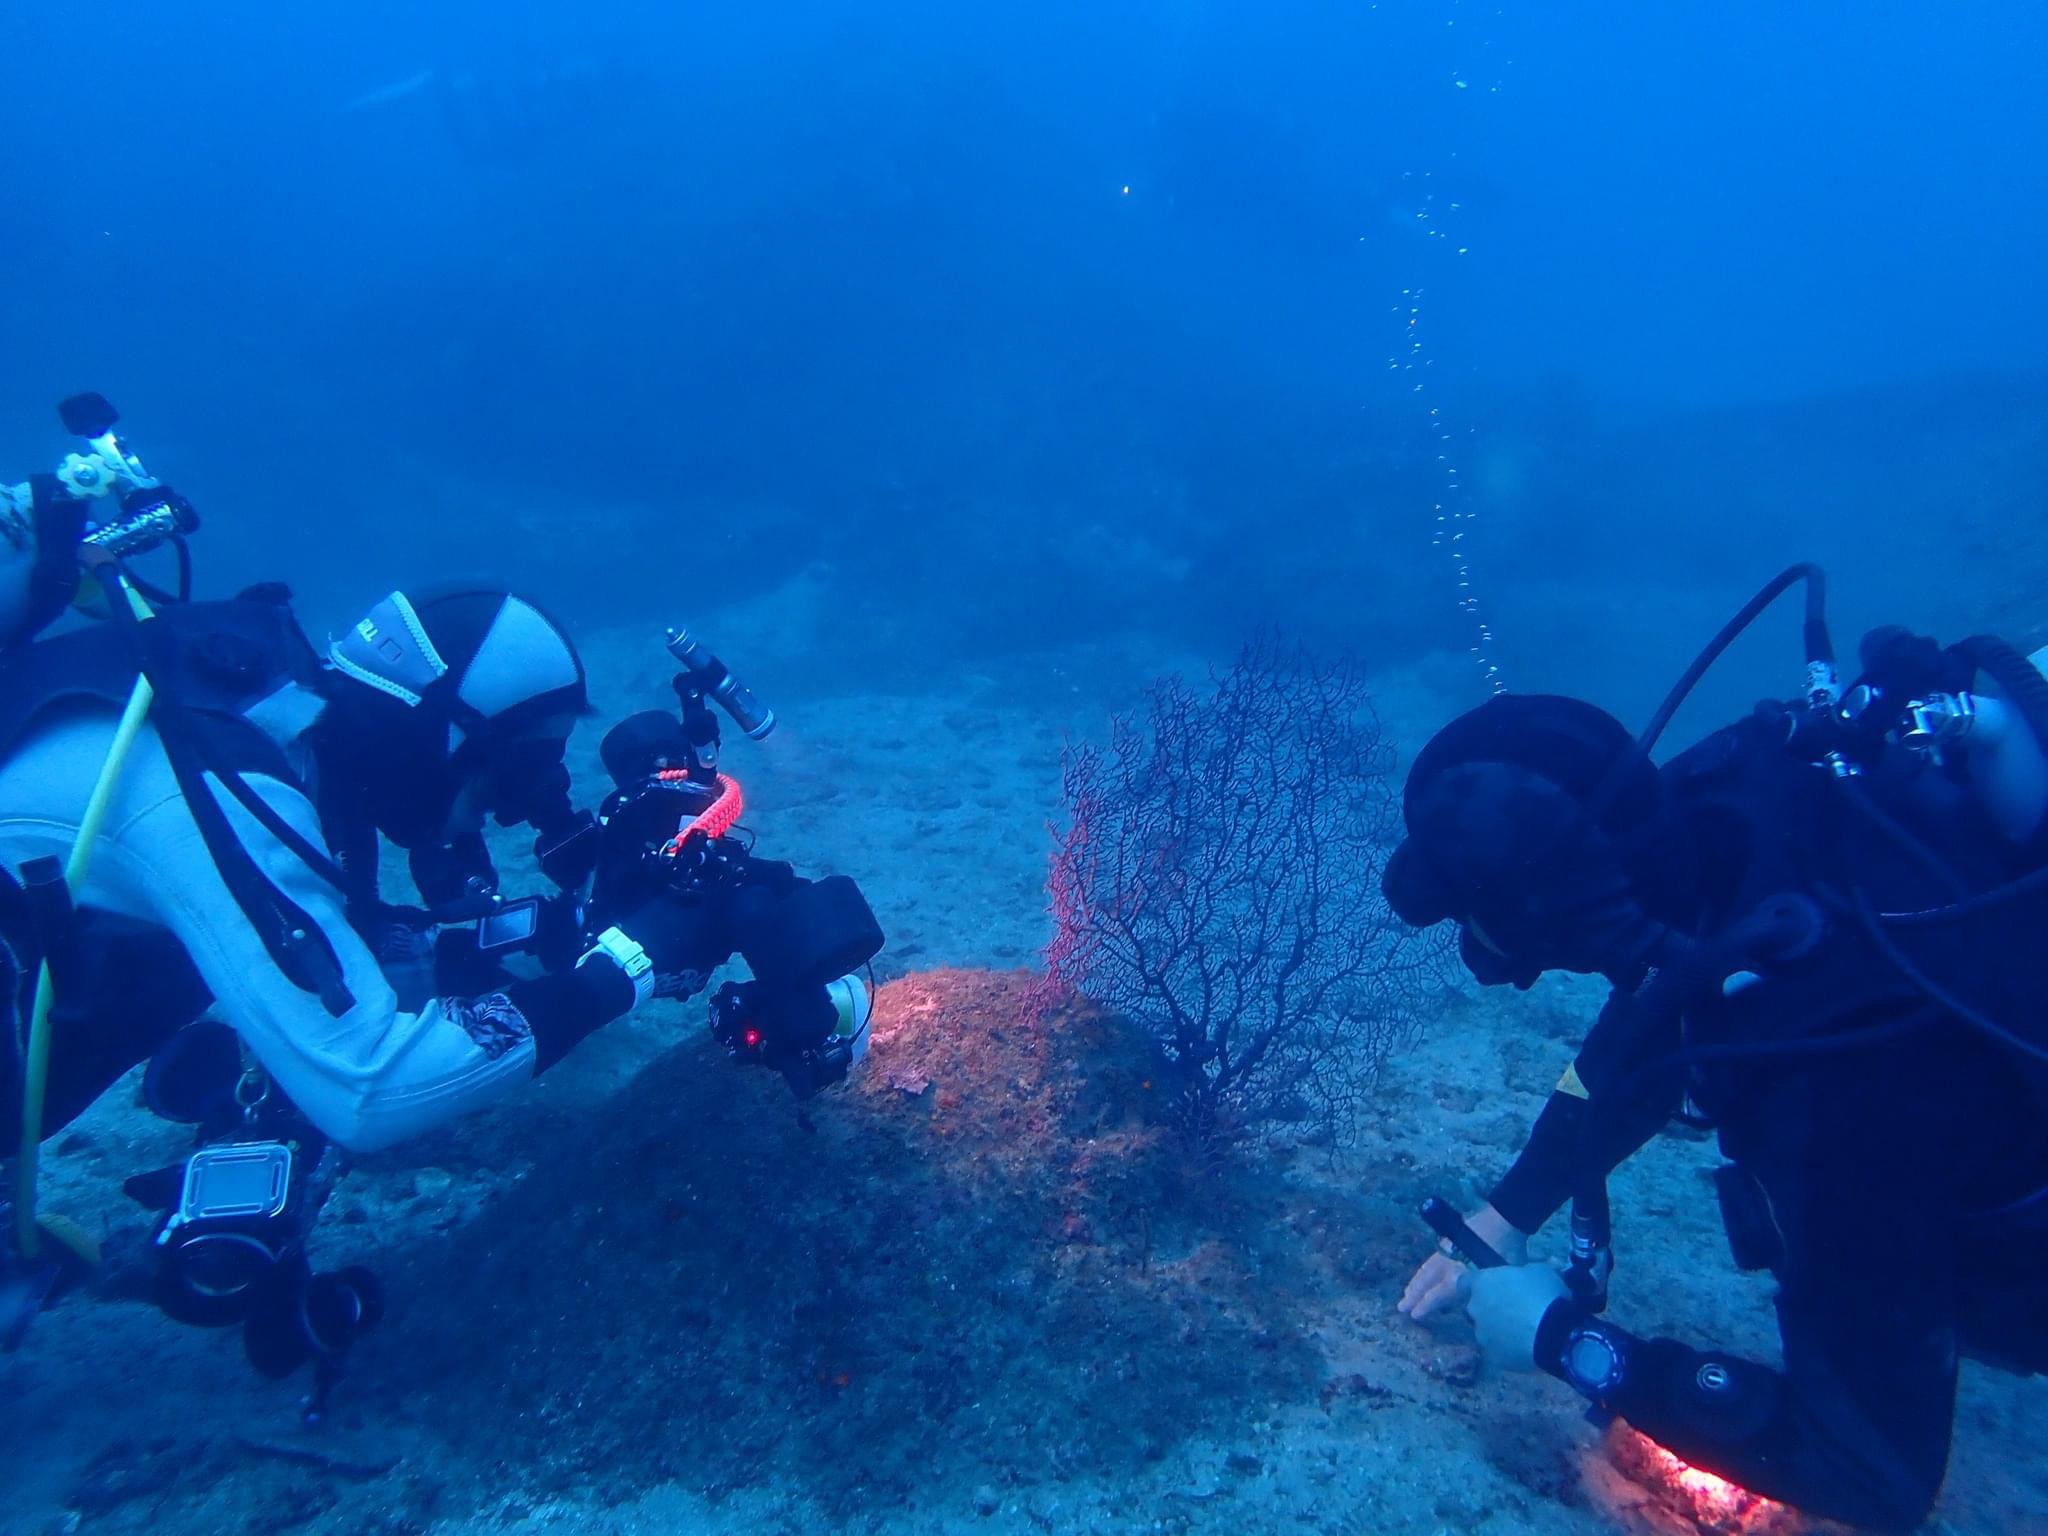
(193, 802)
(1820, 927)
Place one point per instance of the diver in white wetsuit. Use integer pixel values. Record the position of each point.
(235, 874)
(367, 1072)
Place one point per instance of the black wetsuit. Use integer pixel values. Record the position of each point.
(1897, 1187)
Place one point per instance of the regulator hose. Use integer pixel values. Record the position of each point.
(1820, 650)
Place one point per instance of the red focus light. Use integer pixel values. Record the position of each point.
(1709, 1501)
(1704, 1487)
(750, 1038)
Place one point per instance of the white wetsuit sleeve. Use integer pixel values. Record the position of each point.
(369, 1078)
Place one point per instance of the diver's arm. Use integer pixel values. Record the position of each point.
(376, 1075)
(1548, 1170)
(1577, 1129)
(369, 1078)
(1856, 1424)
(1541, 1178)
(1855, 1429)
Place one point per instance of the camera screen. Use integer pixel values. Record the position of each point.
(508, 925)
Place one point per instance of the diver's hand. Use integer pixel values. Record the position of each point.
(1435, 1285)
(394, 932)
(1507, 1307)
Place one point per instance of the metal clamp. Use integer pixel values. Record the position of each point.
(1933, 724)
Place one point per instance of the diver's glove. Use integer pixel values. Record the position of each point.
(1437, 1284)
(660, 949)
(470, 958)
(1508, 1306)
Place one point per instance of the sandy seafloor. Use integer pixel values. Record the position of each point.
(640, 1298)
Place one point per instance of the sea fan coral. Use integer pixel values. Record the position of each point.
(1217, 880)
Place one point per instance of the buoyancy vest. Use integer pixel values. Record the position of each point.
(221, 657)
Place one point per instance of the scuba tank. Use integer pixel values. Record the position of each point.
(2002, 736)
(1914, 698)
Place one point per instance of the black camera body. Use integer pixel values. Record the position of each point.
(794, 933)
(668, 834)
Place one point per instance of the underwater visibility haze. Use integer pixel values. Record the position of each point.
(1093, 583)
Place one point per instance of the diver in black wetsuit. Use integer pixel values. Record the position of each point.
(1823, 927)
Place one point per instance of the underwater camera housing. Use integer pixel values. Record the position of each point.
(667, 830)
(666, 823)
(663, 827)
(233, 1251)
(237, 1214)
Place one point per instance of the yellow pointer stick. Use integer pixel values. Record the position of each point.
(35, 1075)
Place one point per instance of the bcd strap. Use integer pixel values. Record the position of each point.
(288, 935)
